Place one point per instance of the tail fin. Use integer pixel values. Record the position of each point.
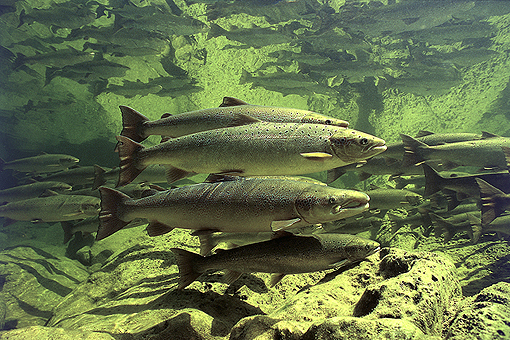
(441, 225)
(109, 219)
(132, 123)
(412, 147)
(476, 227)
(185, 261)
(98, 177)
(128, 152)
(67, 227)
(493, 203)
(433, 181)
(334, 174)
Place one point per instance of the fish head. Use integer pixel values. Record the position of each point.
(316, 118)
(62, 187)
(352, 145)
(359, 248)
(68, 161)
(325, 204)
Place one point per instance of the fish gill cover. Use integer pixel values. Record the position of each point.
(251, 87)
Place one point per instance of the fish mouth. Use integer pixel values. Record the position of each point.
(352, 206)
(379, 147)
(373, 251)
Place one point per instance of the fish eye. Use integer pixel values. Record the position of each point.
(332, 200)
(363, 141)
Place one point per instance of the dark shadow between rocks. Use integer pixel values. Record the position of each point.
(499, 272)
(225, 310)
(125, 256)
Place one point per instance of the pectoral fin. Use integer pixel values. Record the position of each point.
(156, 228)
(339, 264)
(275, 278)
(175, 174)
(278, 225)
(316, 156)
(230, 276)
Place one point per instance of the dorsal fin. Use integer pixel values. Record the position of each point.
(231, 101)
(212, 178)
(423, 133)
(486, 135)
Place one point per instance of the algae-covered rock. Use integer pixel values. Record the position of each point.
(50, 333)
(484, 316)
(363, 329)
(33, 283)
(419, 287)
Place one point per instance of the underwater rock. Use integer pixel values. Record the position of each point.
(359, 328)
(419, 287)
(49, 333)
(484, 316)
(33, 282)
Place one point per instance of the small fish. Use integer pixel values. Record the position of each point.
(459, 188)
(40, 164)
(397, 150)
(33, 190)
(55, 208)
(234, 204)
(232, 112)
(256, 149)
(287, 254)
(387, 198)
(81, 175)
(456, 223)
(485, 153)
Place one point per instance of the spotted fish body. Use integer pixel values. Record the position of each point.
(236, 205)
(252, 150)
(232, 112)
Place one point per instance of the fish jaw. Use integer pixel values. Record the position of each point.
(352, 145)
(331, 204)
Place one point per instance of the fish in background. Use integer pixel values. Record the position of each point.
(419, 181)
(485, 153)
(154, 173)
(462, 187)
(40, 164)
(406, 16)
(232, 112)
(54, 208)
(389, 198)
(232, 204)
(33, 190)
(62, 15)
(90, 225)
(80, 175)
(287, 83)
(286, 254)
(457, 223)
(254, 37)
(251, 150)
(397, 150)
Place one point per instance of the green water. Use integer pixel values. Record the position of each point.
(387, 67)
